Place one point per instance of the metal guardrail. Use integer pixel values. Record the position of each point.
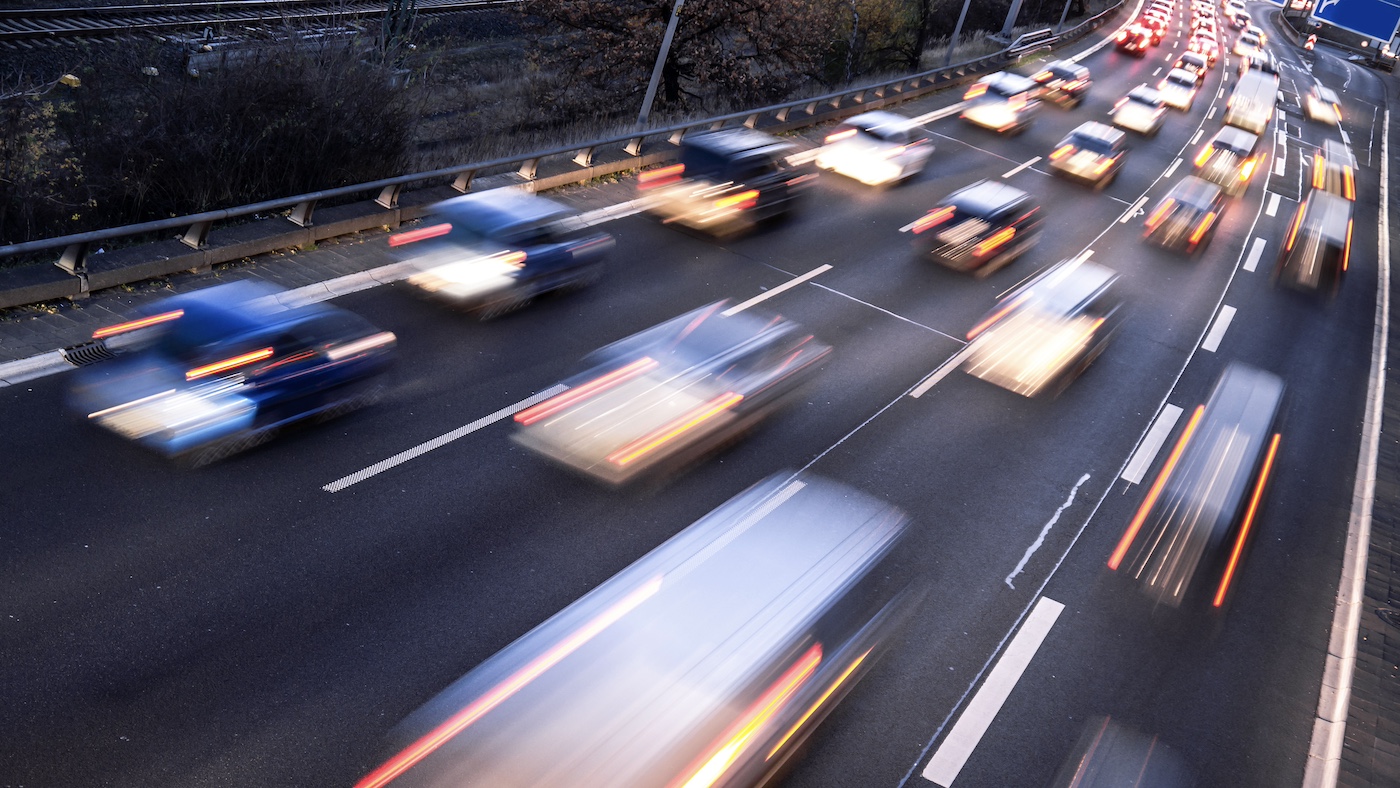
(384, 209)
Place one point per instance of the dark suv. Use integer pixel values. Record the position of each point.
(980, 228)
(726, 182)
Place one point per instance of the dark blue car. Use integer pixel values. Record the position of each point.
(495, 251)
(210, 373)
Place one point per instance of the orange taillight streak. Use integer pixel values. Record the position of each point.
(1318, 169)
(555, 404)
(812, 710)
(1248, 169)
(145, 322)
(229, 363)
(1104, 165)
(421, 234)
(732, 743)
(1293, 229)
(459, 722)
(1349, 184)
(661, 177)
(744, 199)
(934, 218)
(840, 135)
(676, 428)
(999, 238)
(1346, 250)
(1061, 152)
(994, 317)
(1159, 214)
(975, 91)
(1147, 503)
(1201, 228)
(1204, 154)
(1248, 520)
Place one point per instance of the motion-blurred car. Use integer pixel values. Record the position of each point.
(876, 148)
(1198, 514)
(494, 252)
(1207, 47)
(1229, 160)
(1178, 89)
(1110, 754)
(1247, 44)
(1240, 20)
(1260, 62)
(1257, 32)
(1323, 105)
(726, 182)
(1134, 39)
(1185, 220)
(1334, 170)
(1093, 153)
(1142, 111)
(979, 228)
(1252, 103)
(207, 374)
(707, 662)
(1064, 83)
(1156, 25)
(1003, 102)
(662, 398)
(1194, 62)
(1044, 334)
(1317, 250)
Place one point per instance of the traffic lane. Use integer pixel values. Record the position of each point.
(361, 548)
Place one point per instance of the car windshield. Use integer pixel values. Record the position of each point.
(1181, 80)
(1091, 143)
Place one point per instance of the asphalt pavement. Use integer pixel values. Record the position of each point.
(243, 625)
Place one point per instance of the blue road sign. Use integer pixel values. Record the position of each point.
(1374, 18)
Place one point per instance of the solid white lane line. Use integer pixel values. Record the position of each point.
(1217, 331)
(1195, 138)
(1210, 115)
(1172, 168)
(788, 285)
(1273, 205)
(1044, 531)
(1256, 251)
(1020, 167)
(952, 755)
(38, 366)
(1334, 701)
(441, 440)
(939, 374)
(888, 312)
(1146, 453)
(1132, 211)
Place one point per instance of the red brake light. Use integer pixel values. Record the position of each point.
(1160, 214)
(1204, 155)
(975, 91)
(1201, 228)
(581, 392)
(421, 234)
(1293, 230)
(840, 135)
(145, 322)
(1061, 152)
(739, 202)
(660, 177)
(229, 364)
(998, 239)
(934, 218)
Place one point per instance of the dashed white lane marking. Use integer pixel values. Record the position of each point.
(1171, 169)
(1211, 115)
(1281, 117)
(441, 440)
(939, 374)
(1158, 71)
(1217, 331)
(1220, 93)
(1280, 137)
(1256, 251)
(1045, 530)
(1020, 167)
(788, 285)
(1195, 138)
(953, 753)
(1151, 444)
(1132, 211)
(1273, 205)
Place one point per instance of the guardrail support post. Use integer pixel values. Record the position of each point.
(463, 182)
(717, 125)
(859, 98)
(812, 108)
(584, 158)
(197, 236)
(301, 214)
(783, 113)
(74, 259)
(751, 121)
(677, 136)
(389, 196)
(527, 170)
(633, 146)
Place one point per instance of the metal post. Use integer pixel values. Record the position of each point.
(1011, 19)
(957, 31)
(660, 61)
(1063, 16)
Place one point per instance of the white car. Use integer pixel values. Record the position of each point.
(1323, 105)
(1247, 44)
(1178, 89)
(1142, 111)
(876, 148)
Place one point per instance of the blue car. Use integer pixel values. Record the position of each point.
(210, 373)
(494, 252)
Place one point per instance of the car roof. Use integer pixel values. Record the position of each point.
(1194, 192)
(1335, 151)
(985, 198)
(1100, 131)
(728, 142)
(1236, 140)
(1068, 284)
(504, 208)
(1327, 214)
(1145, 94)
(880, 119)
(1327, 94)
(1064, 68)
(1181, 75)
(1007, 82)
(1194, 57)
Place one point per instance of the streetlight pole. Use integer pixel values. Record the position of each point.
(660, 61)
(1011, 15)
(1062, 17)
(957, 31)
